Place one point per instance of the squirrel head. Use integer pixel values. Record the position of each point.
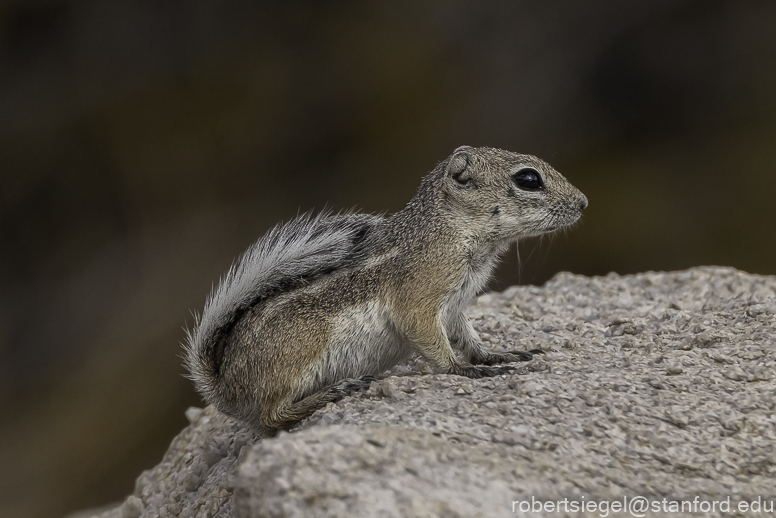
(505, 196)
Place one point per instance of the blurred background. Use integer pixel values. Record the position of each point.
(145, 143)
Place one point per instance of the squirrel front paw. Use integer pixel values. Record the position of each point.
(507, 357)
(471, 371)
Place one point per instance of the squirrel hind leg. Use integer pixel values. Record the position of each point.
(285, 415)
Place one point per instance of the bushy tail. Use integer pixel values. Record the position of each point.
(287, 257)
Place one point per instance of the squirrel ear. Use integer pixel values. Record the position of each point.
(459, 166)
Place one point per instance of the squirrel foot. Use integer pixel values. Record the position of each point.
(473, 372)
(348, 386)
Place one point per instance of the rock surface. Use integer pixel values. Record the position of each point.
(660, 385)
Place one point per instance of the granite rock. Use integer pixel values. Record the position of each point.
(656, 385)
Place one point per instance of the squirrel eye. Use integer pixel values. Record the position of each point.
(461, 180)
(528, 179)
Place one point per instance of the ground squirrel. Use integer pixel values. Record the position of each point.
(318, 305)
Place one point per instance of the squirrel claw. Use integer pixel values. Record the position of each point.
(523, 356)
(348, 386)
(505, 357)
(483, 372)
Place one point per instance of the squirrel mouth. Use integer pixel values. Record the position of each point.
(557, 226)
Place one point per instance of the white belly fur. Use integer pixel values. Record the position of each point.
(364, 341)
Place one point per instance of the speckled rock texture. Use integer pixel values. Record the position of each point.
(661, 385)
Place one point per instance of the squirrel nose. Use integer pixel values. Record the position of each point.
(582, 202)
